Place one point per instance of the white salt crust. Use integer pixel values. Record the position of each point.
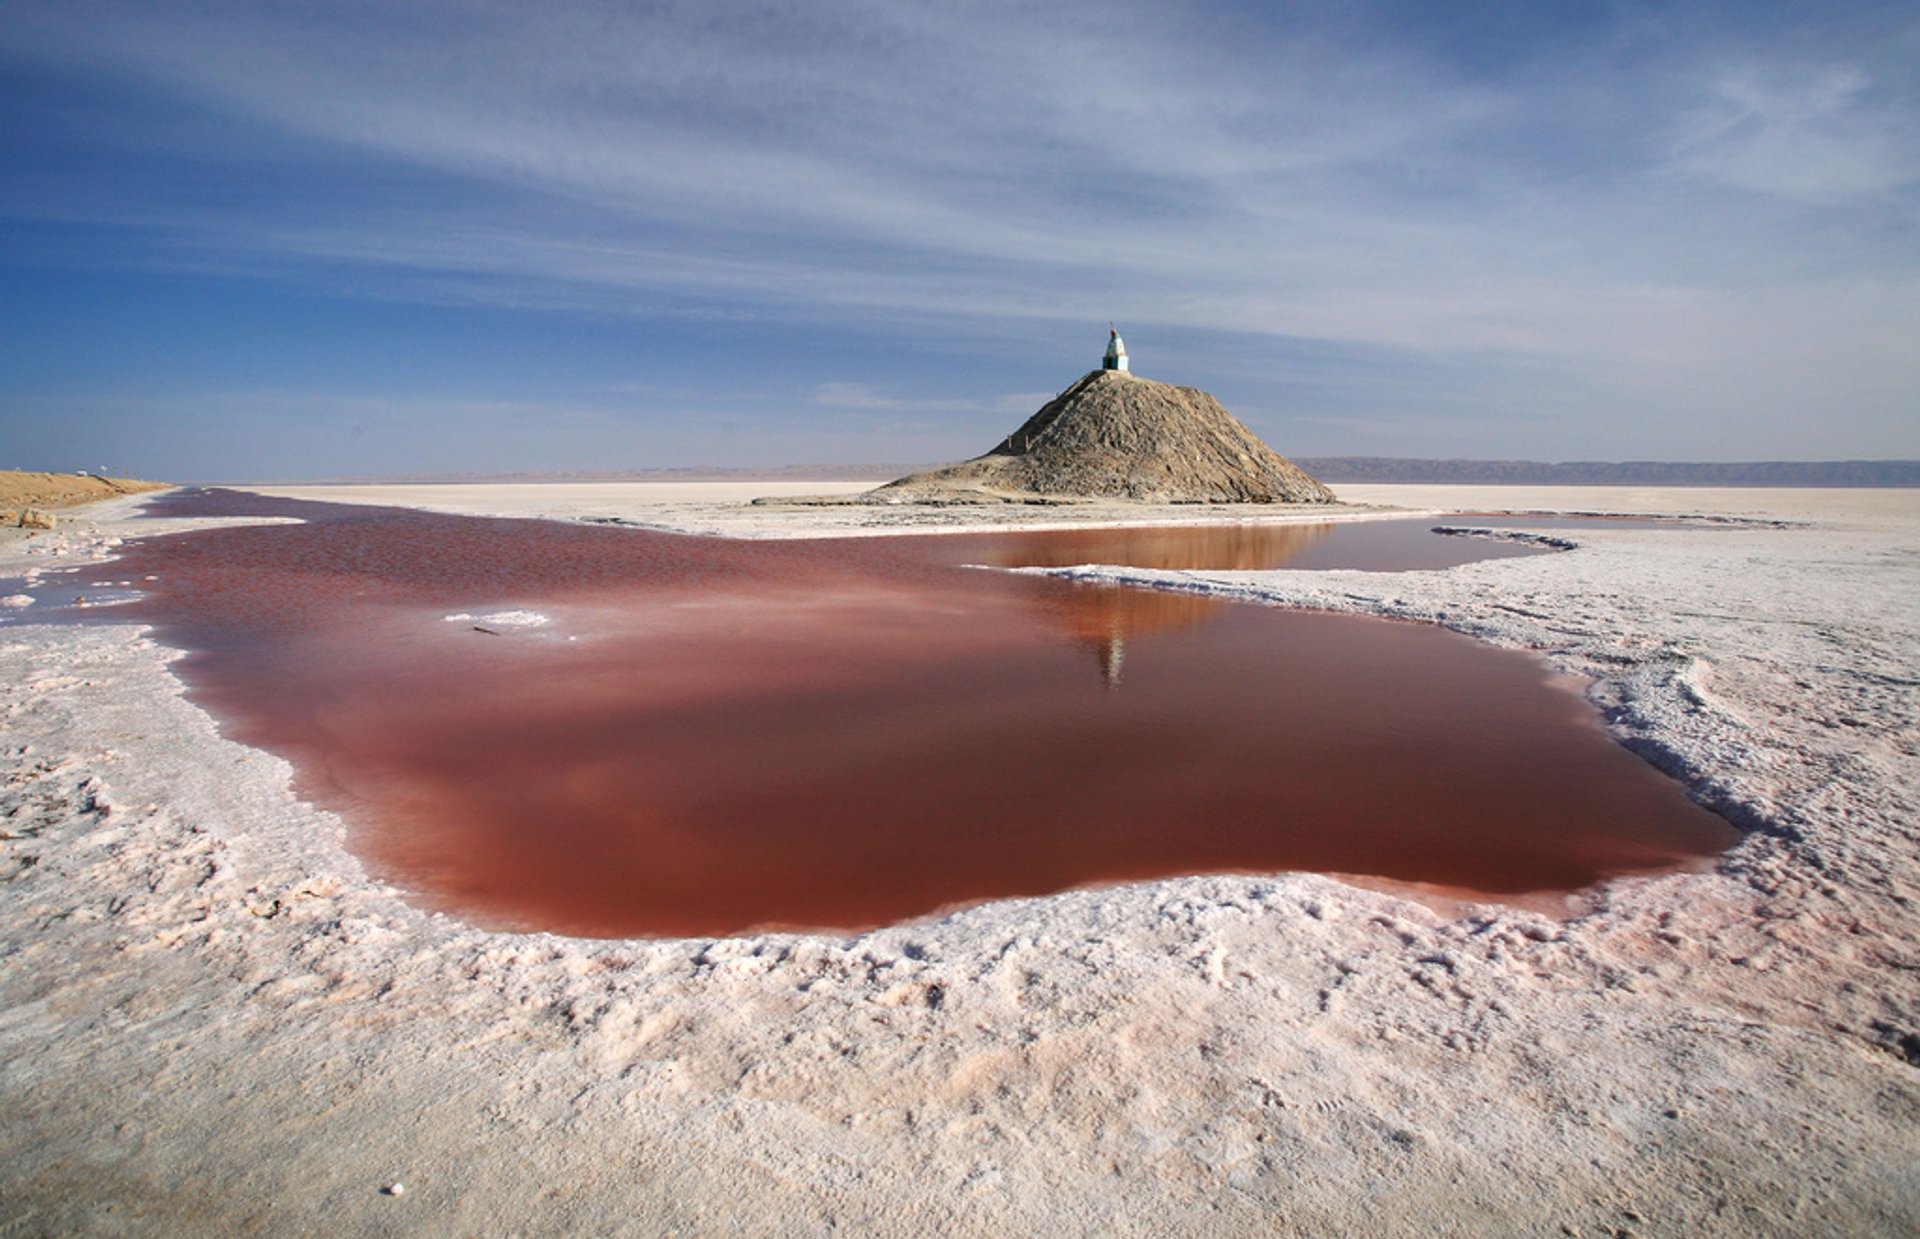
(504, 619)
(212, 1021)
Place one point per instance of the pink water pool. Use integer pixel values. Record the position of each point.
(633, 733)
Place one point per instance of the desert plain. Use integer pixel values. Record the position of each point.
(214, 1021)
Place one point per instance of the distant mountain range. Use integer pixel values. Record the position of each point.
(1337, 469)
(1330, 469)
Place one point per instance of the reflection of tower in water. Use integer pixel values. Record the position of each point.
(1113, 652)
(1103, 618)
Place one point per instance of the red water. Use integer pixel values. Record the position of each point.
(716, 735)
(1371, 545)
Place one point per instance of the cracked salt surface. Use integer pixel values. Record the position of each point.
(1721, 1053)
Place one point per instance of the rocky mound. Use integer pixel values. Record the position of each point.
(23, 496)
(1113, 435)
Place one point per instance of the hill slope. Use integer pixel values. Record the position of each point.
(1113, 435)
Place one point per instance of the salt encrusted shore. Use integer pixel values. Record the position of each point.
(212, 1021)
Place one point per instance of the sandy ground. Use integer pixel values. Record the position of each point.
(212, 1022)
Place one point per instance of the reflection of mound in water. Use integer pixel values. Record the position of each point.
(1169, 547)
(1104, 616)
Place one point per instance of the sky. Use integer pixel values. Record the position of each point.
(267, 241)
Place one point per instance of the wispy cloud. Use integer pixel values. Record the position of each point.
(1825, 137)
(1647, 204)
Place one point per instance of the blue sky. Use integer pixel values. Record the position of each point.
(331, 239)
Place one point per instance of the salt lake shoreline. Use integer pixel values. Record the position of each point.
(213, 1021)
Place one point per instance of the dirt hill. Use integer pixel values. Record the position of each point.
(1114, 435)
(63, 490)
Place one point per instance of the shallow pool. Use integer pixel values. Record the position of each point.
(543, 725)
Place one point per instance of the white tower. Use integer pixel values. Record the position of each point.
(1116, 358)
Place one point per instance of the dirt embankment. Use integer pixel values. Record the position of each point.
(22, 492)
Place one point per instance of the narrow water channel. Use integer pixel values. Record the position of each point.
(611, 732)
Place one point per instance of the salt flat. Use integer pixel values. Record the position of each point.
(213, 1021)
(631, 500)
(785, 510)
